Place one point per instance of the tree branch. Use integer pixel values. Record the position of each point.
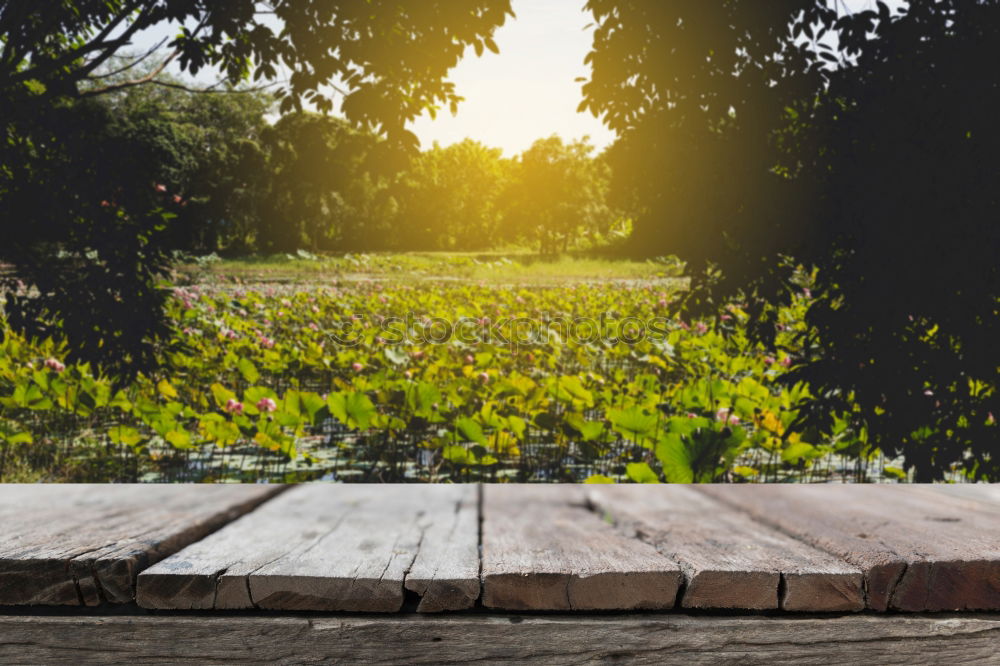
(134, 63)
(149, 78)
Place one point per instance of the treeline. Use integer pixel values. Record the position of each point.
(240, 183)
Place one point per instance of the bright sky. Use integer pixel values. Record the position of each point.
(527, 92)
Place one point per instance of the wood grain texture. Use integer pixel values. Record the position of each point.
(728, 560)
(918, 551)
(445, 572)
(462, 639)
(331, 547)
(543, 549)
(84, 544)
(985, 495)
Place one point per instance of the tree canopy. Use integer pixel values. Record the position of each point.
(857, 144)
(65, 153)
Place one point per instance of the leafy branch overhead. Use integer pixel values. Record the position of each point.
(387, 59)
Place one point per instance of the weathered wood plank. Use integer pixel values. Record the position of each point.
(84, 544)
(917, 551)
(543, 549)
(728, 560)
(984, 494)
(472, 638)
(445, 572)
(331, 547)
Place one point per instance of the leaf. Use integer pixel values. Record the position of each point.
(589, 430)
(633, 422)
(125, 435)
(598, 478)
(641, 473)
(248, 370)
(422, 398)
(746, 472)
(255, 394)
(221, 394)
(894, 473)
(675, 459)
(355, 410)
(312, 403)
(517, 425)
(13, 433)
(570, 388)
(471, 430)
(794, 452)
(457, 454)
(179, 439)
(166, 390)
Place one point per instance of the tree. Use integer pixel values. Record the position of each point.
(906, 236)
(449, 198)
(689, 87)
(386, 60)
(213, 159)
(322, 188)
(854, 143)
(558, 192)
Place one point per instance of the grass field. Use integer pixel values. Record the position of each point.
(514, 267)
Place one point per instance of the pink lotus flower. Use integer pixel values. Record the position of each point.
(726, 416)
(266, 342)
(234, 406)
(267, 405)
(161, 188)
(701, 327)
(53, 364)
(663, 303)
(469, 359)
(786, 362)
(178, 199)
(484, 377)
(313, 326)
(357, 367)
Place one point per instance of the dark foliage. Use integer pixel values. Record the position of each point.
(859, 144)
(93, 267)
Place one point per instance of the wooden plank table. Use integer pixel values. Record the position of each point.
(385, 548)
(728, 560)
(543, 549)
(332, 548)
(84, 544)
(919, 551)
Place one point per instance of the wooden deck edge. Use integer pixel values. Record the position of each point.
(459, 639)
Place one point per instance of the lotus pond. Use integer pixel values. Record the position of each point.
(391, 380)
